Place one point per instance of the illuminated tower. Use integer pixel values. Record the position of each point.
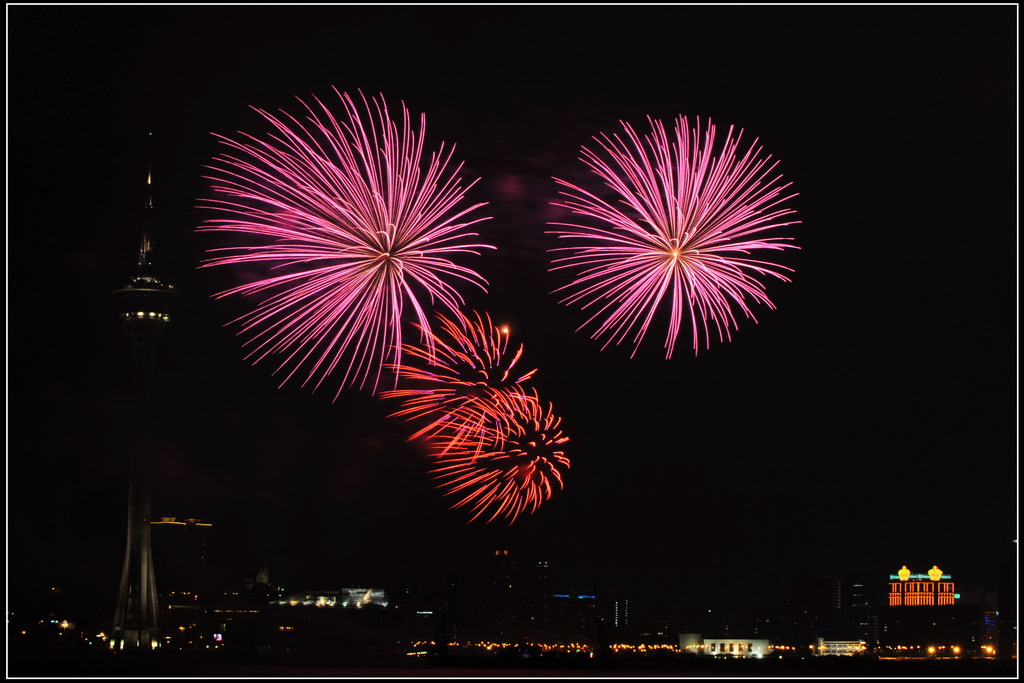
(143, 306)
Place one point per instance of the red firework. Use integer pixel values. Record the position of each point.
(522, 468)
(686, 221)
(461, 390)
(354, 226)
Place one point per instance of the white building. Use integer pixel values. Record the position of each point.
(728, 647)
(843, 648)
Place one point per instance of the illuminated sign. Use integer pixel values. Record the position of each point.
(934, 574)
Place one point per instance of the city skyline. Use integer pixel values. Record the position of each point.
(868, 422)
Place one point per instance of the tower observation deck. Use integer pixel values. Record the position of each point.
(144, 307)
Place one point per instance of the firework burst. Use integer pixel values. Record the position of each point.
(682, 232)
(353, 224)
(522, 468)
(461, 391)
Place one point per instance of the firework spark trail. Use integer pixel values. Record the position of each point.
(521, 470)
(354, 229)
(463, 390)
(690, 220)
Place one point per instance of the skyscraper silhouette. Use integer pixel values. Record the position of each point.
(144, 308)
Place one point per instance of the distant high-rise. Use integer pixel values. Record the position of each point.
(181, 554)
(854, 602)
(540, 577)
(620, 616)
(575, 618)
(502, 600)
(144, 309)
(1006, 614)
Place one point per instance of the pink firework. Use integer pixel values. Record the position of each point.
(680, 236)
(462, 390)
(352, 226)
(522, 468)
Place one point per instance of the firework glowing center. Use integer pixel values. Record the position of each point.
(354, 224)
(689, 213)
(537, 458)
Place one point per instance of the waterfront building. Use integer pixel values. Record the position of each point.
(840, 648)
(745, 648)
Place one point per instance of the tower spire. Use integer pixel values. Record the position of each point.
(146, 248)
(149, 182)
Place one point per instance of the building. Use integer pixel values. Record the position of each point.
(921, 590)
(180, 554)
(502, 604)
(853, 617)
(574, 618)
(621, 613)
(1006, 604)
(839, 648)
(536, 618)
(745, 648)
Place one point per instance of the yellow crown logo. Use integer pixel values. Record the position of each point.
(935, 573)
(904, 573)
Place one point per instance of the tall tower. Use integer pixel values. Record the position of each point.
(143, 305)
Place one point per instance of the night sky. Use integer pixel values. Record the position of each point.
(868, 422)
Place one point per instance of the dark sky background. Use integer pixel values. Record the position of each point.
(867, 423)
